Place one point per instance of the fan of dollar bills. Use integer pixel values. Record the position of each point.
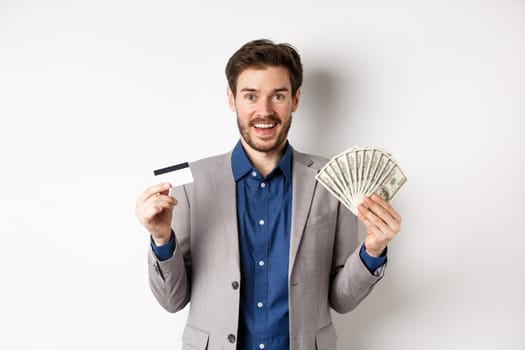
(359, 172)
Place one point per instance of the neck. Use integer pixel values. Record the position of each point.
(264, 162)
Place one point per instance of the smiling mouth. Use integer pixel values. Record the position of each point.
(264, 125)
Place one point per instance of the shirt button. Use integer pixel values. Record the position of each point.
(235, 284)
(261, 222)
(254, 173)
(231, 338)
(261, 346)
(260, 305)
(261, 263)
(263, 184)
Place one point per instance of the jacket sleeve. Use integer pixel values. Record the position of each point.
(350, 280)
(170, 280)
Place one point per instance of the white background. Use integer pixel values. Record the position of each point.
(96, 94)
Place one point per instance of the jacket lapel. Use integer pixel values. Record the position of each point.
(303, 177)
(226, 200)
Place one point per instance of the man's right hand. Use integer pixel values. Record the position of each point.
(154, 209)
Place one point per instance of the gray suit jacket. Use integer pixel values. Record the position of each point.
(325, 269)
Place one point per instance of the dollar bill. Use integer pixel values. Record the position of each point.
(359, 172)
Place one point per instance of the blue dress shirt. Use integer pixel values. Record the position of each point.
(264, 211)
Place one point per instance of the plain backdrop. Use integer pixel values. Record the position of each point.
(96, 94)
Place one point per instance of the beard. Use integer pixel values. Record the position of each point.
(244, 130)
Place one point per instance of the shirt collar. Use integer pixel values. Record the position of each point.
(241, 165)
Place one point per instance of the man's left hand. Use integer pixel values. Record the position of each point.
(382, 223)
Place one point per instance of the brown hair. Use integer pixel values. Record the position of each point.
(264, 53)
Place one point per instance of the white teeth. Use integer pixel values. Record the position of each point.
(264, 126)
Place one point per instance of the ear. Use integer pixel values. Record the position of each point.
(231, 99)
(295, 99)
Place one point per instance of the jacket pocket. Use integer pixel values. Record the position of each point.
(194, 339)
(326, 338)
(321, 219)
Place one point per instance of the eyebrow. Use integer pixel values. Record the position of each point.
(256, 90)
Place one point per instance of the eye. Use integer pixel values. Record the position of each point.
(250, 97)
(278, 97)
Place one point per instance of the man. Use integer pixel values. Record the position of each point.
(259, 249)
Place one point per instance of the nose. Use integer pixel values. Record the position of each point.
(264, 108)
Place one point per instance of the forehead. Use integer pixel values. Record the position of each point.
(264, 78)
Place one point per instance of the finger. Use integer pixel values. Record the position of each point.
(153, 207)
(159, 188)
(165, 197)
(149, 213)
(160, 199)
(373, 230)
(382, 213)
(373, 221)
(386, 206)
(364, 220)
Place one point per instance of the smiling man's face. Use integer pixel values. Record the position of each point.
(264, 105)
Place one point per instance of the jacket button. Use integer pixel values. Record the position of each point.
(231, 338)
(235, 285)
